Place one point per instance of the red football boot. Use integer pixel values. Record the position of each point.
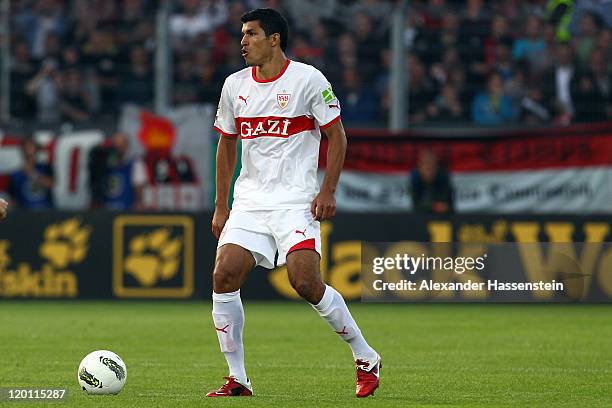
(368, 377)
(232, 388)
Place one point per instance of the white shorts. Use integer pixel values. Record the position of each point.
(266, 232)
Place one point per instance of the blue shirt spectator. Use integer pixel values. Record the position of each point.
(359, 103)
(492, 107)
(31, 185)
(528, 49)
(530, 46)
(116, 181)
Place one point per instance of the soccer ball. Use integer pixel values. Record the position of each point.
(102, 372)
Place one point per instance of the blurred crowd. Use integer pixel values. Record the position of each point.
(534, 62)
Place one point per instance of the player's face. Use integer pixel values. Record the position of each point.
(255, 46)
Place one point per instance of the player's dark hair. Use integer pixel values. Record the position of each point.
(271, 21)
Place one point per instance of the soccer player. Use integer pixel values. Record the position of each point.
(3, 209)
(277, 107)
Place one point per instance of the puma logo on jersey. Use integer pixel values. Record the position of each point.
(301, 232)
(243, 99)
(334, 106)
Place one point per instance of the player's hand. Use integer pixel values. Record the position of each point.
(323, 207)
(3, 208)
(219, 219)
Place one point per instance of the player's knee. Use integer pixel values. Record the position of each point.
(225, 279)
(306, 289)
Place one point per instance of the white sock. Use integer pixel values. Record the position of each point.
(333, 309)
(228, 316)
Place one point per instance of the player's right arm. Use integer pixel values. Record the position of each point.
(226, 158)
(225, 166)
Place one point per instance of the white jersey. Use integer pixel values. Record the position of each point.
(278, 121)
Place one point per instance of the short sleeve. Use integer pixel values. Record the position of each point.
(322, 102)
(224, 119)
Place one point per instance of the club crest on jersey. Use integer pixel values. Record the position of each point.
(283, 100)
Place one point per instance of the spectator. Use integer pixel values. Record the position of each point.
(432, 14)
(130, 17)
(440, 71)
(74, 103)
(377, 10)
(467, 41)
(532, 110)
(359, 102)
(586, 40)
(185, 89)
(500, 34)
(116, 181)
(449, 36)
(604, 43)
(135, 85)
(381, 86)
(559, 14)
(45, 88)
(590, 102)
(100, 56)
(144, 34)
(319, 42)
(71, 58)
(557, 84)
(229, 33)
(446, 107)
(516, 86)
(344, 56)
(456, 77)
(430, 184)
(22, 70)
(503, 64)
(209, 76)
(53, 48)
(474, 28)
(492, 107)
(30, 187)
(421, 91)
(369, 44)
(547, 58)
(303, 51)
(602, 77)
(601, 8)
(304, 14)
(196, 17)
(531, 45)
(45, 18)
(84, 22)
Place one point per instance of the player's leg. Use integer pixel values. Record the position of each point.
(243, 244)
(305, 278)
(232, 265)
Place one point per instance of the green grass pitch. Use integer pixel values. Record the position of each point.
(434, 355)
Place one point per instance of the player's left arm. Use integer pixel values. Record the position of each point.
(323, 206)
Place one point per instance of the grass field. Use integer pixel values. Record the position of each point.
(434, 355)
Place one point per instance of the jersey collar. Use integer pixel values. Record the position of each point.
(264, 81)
